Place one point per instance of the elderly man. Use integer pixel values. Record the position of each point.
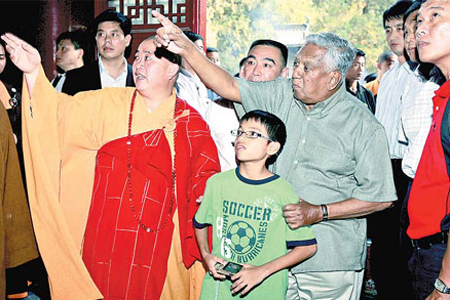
(336, 155)
(143, 154)
(428, 206)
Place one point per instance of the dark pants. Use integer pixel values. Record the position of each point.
(388, 259)
(424, 267)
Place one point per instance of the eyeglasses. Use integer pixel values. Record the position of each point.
(250, 134)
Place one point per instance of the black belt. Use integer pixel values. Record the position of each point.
(428, 241)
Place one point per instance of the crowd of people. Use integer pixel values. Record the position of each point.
(172, 179)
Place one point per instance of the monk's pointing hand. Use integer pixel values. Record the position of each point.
(22, 54)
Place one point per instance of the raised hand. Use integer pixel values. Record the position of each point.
(22, 54)
(170, 36)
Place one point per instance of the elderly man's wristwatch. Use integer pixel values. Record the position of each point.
(441, 286)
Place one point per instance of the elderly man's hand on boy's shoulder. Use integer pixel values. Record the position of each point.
(301, 214)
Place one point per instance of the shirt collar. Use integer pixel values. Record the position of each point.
(325, 106)
(444, 90)
(103, 69)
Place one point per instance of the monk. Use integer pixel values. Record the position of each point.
(114, 175)
(17, 244)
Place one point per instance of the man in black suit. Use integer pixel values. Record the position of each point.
(113, 38)
(73, 51)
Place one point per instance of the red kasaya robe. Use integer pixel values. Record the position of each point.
(124, 260)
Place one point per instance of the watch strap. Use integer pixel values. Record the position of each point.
(441, 287)
(324, 212)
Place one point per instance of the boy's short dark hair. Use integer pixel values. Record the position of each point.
(276, 130)
(282, 47)
(396, 11)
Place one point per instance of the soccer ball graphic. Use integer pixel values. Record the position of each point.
(242, 237)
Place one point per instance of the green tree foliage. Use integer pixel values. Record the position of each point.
(234, 24)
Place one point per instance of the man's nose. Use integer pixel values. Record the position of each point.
(108, 38)
(257, 70)
(296, 73)
(137, 63)
(421, 30)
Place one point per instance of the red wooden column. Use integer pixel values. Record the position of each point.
(199, 19)
(55, 18)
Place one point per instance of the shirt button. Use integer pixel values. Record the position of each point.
(295, 161)
(308, 118)
(437, 107)
(303, 141)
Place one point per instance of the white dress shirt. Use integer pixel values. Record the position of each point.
(191, 89)
(389, 106)
(108, 80)
(60, 81)
(417, 112)
(221, 121)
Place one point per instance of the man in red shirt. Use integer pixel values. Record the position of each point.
(428, 206)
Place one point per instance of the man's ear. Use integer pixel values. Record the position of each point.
(378, 66)
(80, 53)
(128, 39)
(284, 73)
(335, 79)
(173, 71)
(273, 148)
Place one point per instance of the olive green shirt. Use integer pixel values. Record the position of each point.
(334, 152)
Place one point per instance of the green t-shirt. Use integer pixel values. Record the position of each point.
(248, 227)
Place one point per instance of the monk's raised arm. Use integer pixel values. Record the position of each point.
(24, 56)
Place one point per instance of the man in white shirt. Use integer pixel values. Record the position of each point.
(189, 86)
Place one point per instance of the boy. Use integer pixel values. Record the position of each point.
(244, 208)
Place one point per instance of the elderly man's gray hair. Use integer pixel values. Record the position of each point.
(340, 53)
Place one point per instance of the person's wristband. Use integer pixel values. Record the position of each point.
(324, 212)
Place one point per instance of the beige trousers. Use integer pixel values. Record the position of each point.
(339, 285)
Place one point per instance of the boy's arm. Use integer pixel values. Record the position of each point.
(251, 276)
(210, 260)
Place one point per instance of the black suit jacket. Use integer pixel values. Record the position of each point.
(87, 78)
